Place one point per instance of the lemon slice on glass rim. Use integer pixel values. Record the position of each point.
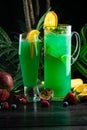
(51, 20)
(32, 37)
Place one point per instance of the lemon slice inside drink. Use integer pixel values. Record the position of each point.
(51, 19)
(65, 58)
(32, 38)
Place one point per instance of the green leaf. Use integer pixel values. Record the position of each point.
(4, 35)
(40, 23)
(83, 34)
(81, 69)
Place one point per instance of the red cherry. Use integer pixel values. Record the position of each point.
(22, 99)
(5, 105)
(4, 94)
(71, 98)
(45, 103)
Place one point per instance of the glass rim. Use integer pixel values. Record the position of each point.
(59, 25)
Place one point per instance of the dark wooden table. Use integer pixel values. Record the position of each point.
(33, 116)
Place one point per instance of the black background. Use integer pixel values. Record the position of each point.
(72, 12)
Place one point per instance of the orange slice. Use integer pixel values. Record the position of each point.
(81, 89)
(31, 37)
(76, 82)
(51, 19)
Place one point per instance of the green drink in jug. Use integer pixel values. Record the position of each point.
(57, 62)
(57, 55)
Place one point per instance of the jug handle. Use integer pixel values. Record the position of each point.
(76, 52)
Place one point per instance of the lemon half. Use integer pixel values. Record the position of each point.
(76, 82)
(81, 89)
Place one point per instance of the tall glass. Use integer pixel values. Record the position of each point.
(29, 57)
(57, 59)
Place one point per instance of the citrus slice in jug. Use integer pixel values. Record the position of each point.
(31, 37)
(51, 19)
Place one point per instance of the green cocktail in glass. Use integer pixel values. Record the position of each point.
(29, 57)
(57, 60)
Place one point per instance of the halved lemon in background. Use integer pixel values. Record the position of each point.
(76, 82)
(31, 36)
(51, 19)
(81, 89)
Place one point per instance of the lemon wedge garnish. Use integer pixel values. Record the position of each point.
(51, 19)
(32, 37)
